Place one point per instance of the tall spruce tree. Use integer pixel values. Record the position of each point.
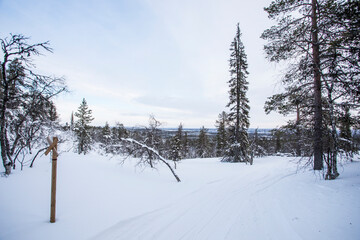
(82, 127)
(238, 116)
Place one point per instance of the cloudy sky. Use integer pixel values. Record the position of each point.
(133, 58)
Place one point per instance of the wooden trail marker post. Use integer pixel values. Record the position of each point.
(53, 148)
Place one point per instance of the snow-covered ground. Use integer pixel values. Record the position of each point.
(98, 198)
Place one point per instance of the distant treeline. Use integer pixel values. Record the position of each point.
(203, 142)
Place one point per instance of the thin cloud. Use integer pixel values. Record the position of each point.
(133, 58)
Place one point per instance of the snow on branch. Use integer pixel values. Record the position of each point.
(155, 152)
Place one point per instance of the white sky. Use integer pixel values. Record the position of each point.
(133, 58)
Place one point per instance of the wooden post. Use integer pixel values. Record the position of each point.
(53, 148)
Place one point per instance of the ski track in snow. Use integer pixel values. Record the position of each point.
(233, 202)
(101, 200)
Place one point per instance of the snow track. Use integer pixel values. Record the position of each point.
(247, 205)
(99, 199)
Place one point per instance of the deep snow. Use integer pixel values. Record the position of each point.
(98, 198)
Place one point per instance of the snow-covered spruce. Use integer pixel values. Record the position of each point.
(238, 117)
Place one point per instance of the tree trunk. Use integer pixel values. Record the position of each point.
(298, 133)
(318, 151)
(6, 162)
(332, 172)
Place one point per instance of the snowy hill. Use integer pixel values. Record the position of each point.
(98, 198)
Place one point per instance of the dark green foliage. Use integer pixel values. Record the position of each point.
(322, 39)
(296, 37)
(119, 131)
(177, 145)
(293, 100)
(239, 147)
(346, 139)
(186, 147)
(221, 135)
(82, 128)
(238, 116)
(106, 134)
(202, 146)
(175, 151)
(106, 138)
(257, 147)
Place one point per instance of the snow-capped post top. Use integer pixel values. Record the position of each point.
(53, 148)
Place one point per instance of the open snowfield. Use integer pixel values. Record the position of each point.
(98, 198)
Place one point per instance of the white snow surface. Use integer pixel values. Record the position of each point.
(98, 198)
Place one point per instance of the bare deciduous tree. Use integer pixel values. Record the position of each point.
(26, 106)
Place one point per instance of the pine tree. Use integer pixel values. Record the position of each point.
(175, 153)
(294, 38)
(177, 145)
(322, 39)
(221, 135)
(82, 128)
(256, 146)
(295, 99)
(106, 138)
(106, 133)
(202, 146)
(185, 146)
(119, 131)
(239, 104)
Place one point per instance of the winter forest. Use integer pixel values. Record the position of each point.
(299, 180)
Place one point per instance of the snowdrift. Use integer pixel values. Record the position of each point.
(98, 198)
